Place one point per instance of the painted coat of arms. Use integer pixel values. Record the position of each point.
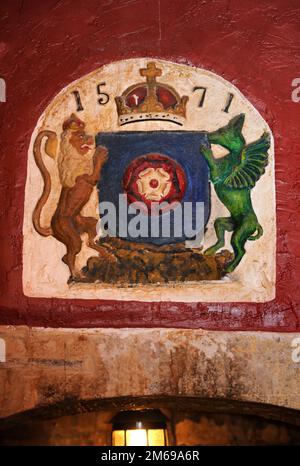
(150, 188)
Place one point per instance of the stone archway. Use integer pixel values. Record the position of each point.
(190, 421)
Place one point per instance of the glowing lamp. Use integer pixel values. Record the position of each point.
(139, 428)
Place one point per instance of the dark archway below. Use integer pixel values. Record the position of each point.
(192, 421)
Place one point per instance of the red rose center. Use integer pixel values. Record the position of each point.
(153, 183)
(151, 178)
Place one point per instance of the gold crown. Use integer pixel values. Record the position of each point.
(151, 100)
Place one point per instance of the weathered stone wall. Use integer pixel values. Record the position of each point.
(86, 369)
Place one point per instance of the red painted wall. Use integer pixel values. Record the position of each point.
(44, 45)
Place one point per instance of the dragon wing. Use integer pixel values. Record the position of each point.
(254, 159)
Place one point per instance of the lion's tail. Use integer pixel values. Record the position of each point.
(259, 233)
(50, 149)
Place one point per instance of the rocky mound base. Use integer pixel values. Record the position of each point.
(136, 263)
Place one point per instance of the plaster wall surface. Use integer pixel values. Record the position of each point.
(46, 45)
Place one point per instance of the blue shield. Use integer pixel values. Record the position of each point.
(182, 148)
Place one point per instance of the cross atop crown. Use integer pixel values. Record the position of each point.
(151, 72)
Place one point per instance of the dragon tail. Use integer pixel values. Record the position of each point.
(259, 233)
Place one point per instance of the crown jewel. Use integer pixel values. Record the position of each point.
(151, 100)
